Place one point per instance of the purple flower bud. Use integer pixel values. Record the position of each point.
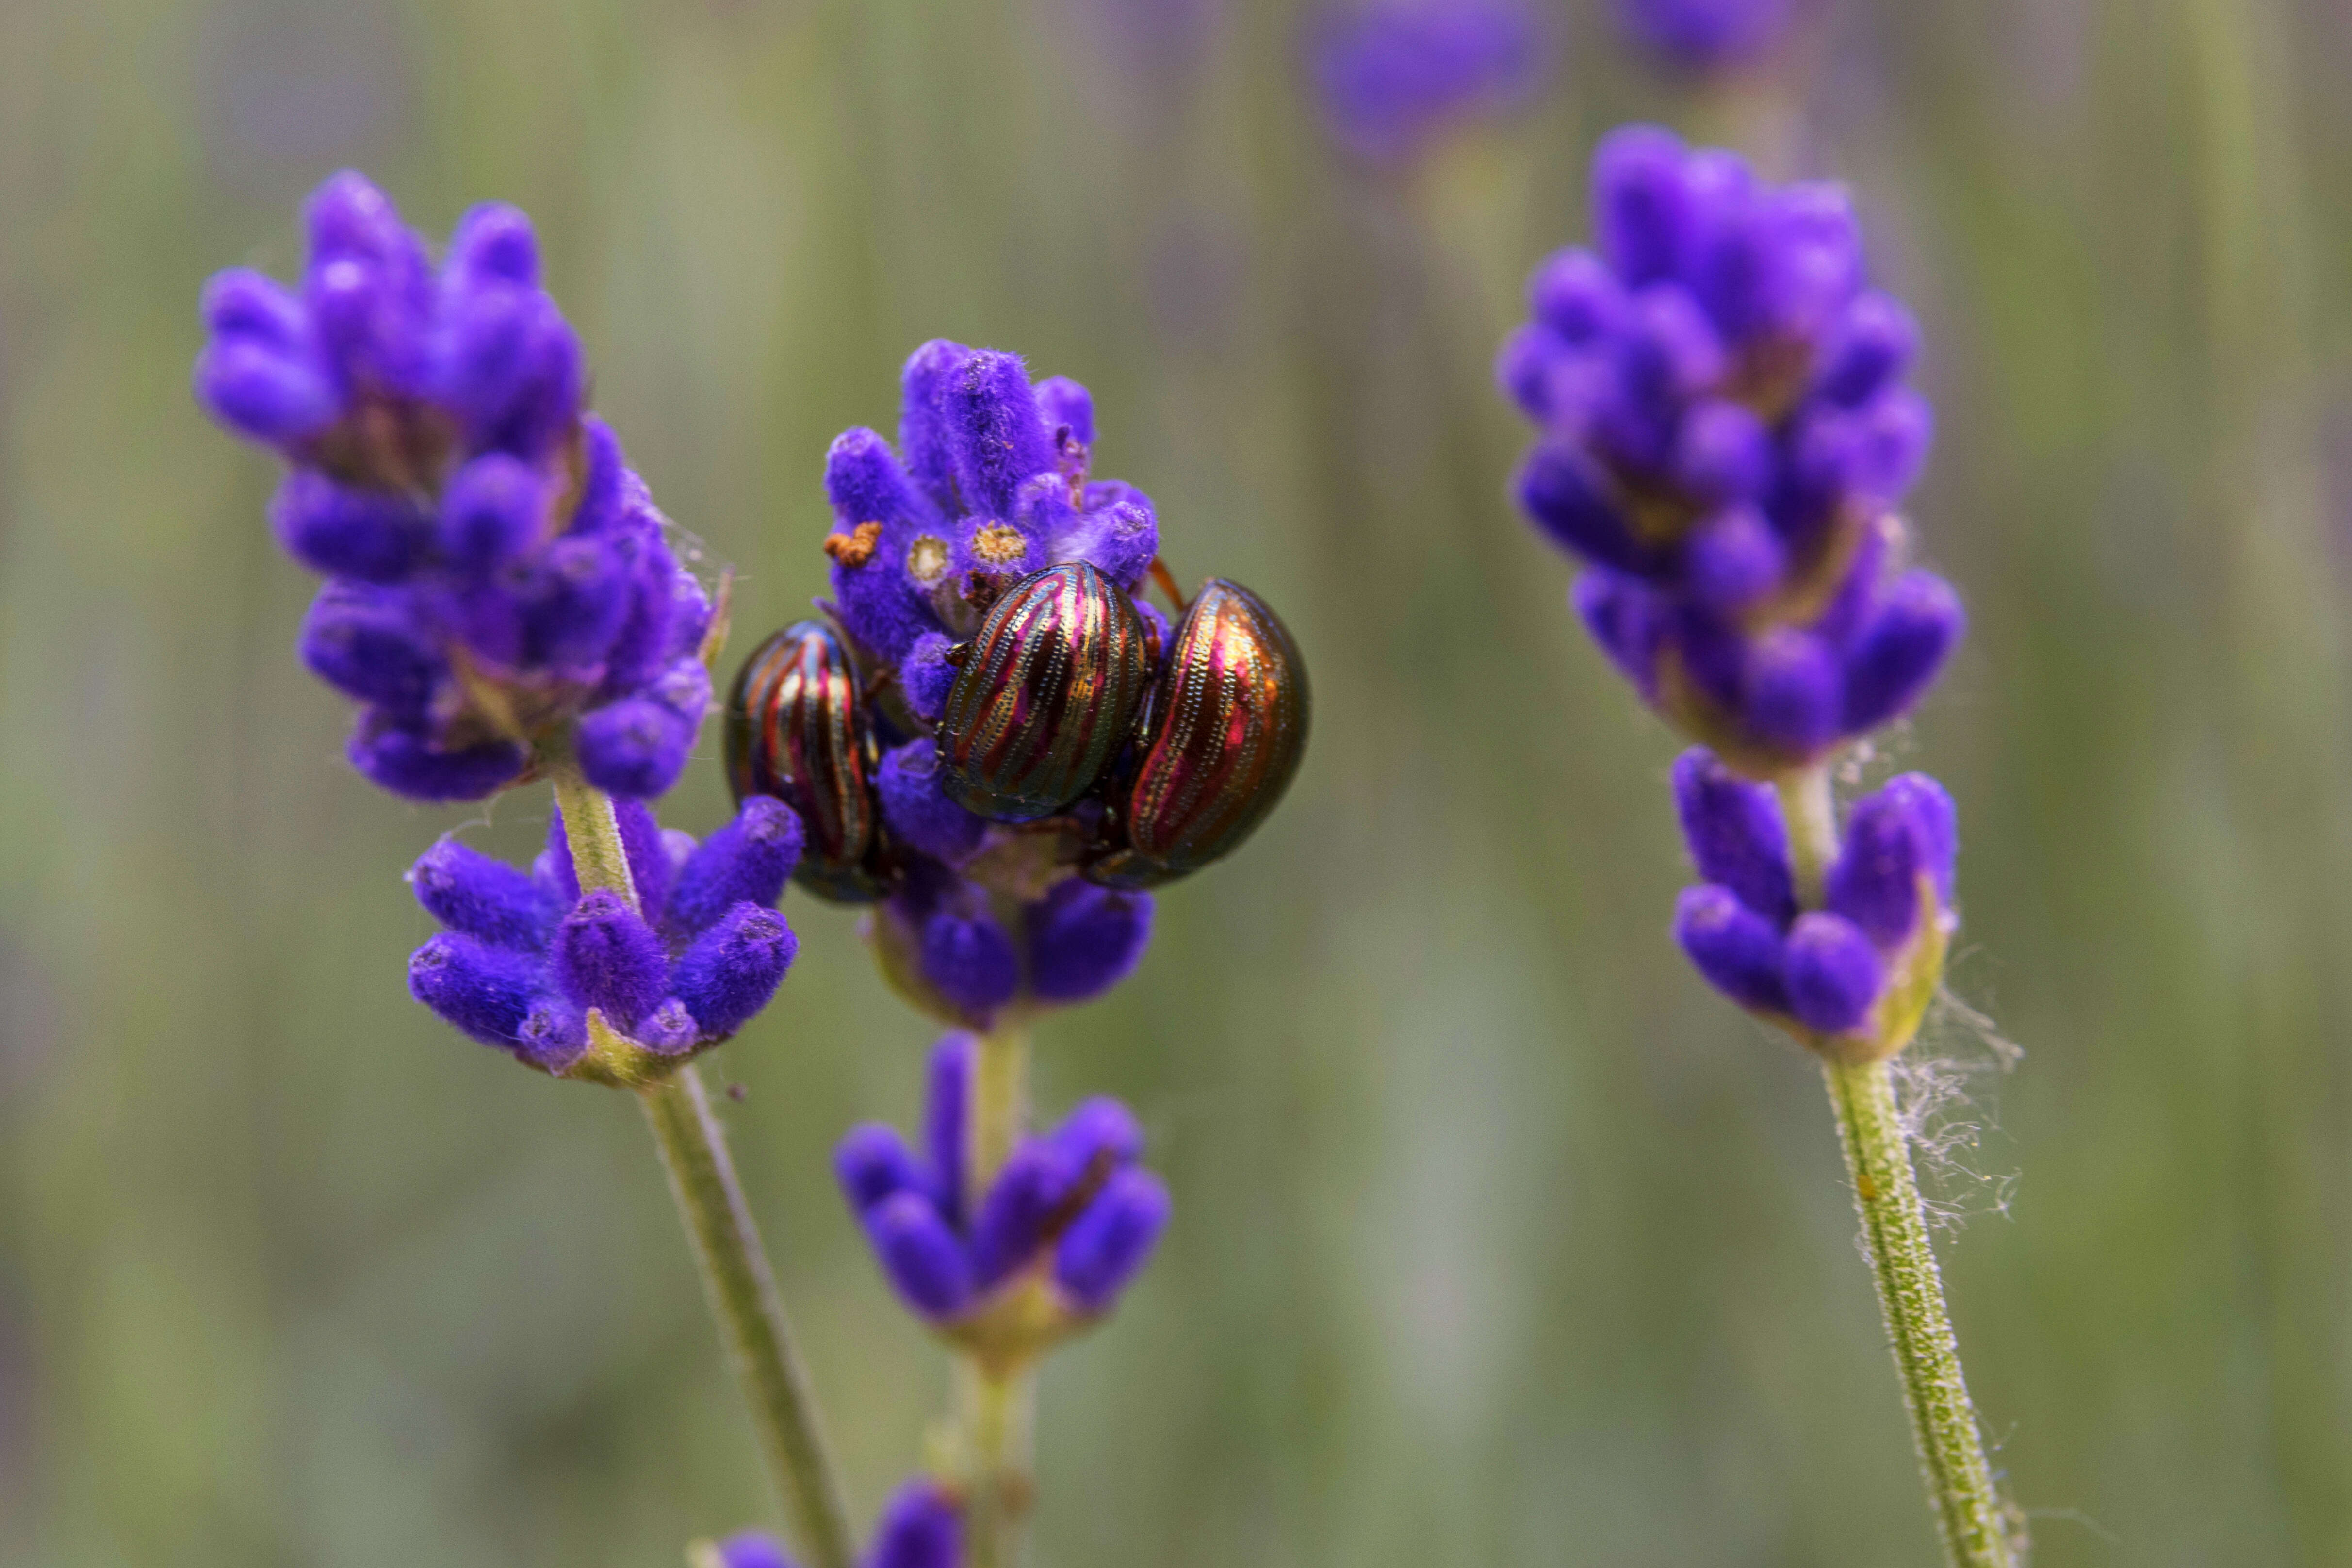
(1392, 78)
(733, 968)
(1101, 1131)
(1120, 535)
(468, 892)
(1737, 838)
(874, 1163)
(1626, 620)
(920, 1529)
(370, 536)
(552, 1035)
(923, 426)
(368, 646)
(747, 861)
(1723, 452)
(751, 1549)
(1112, 1240)
(1641, 210)
(483, 990)
(1835, 974)
(263, 392)
(1734, 558)
(1574, 295)
(1063, 403)
(1793, 688)
(1738, 951)
(573, 600)
(971, 961)
(1874, 881)
(604, 956)
(492, 512)
(635, 748)
(655, 630)
(243, 303)
(1558, 487)
(409, 763)
(669, 1030)
(918, 809)
(494, 242)
(995, 435)
(1877, 341)
(946, 1124)
(1084, 940)
(1024, 1201)
(922, 1258)
(1891, 664)
(1937, 823)
(927, 675)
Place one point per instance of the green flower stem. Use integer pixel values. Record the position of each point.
(996, 1411)
(1969, 1514)
(736, 1279)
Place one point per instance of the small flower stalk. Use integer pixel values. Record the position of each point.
(1725, 432)
(1041, 1253)
(596, 984)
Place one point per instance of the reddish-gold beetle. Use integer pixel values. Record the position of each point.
(797, 729)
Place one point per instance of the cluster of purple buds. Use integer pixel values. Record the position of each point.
(922, 1527)
(1005, 1273)
(1706, 36)
(497, 580)
(1726, 432)
(605, 987)
(1855, 975)
(1395, 76)
(994, 739)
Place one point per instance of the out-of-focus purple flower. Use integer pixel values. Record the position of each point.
(1707, 34)
(494, 569)
(1393, 76)
(1066, 1225)
(1726, 432)
(1859, 969)
(922, 1527)
(526, 960)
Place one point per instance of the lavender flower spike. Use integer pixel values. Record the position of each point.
(1393, 76)
(494, 571)
(587, 987)
(1724, 436)
(1066, 1225)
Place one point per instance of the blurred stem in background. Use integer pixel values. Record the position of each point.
(736, 1277)
(996, 1409)
(1969, 1510)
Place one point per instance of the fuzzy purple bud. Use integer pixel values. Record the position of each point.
(747, 861)
(1735, 835)
(1835, 974)
(367, 536)
(922, 1258)
(1037, 1179)
(1112, 1240)
(470, 892)
(920, 1528)
(604, 956)
(971, 961)
(408, 762)
(874, 1163)
(946, 1123)
(919, 810)
(1738, 951)
(483, 990)
(1083, 940)
(732, 969)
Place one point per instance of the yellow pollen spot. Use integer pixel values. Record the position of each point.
(999, 545)
(927, 558)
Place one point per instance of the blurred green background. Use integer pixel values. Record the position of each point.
(1499, 1239)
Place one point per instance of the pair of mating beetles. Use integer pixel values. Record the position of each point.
(1065, 709)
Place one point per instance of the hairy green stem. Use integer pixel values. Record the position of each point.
(996, 1411)
(736, 1277)
(1969, 1515)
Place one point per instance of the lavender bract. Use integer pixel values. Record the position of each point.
(497, 579)
(588, 987)
(1393, 77)
(1067, 1223)
(922, 1527)
(1726, 432)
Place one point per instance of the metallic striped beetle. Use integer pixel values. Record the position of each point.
(797, 729)
(1222, 736)
(1045, 695)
